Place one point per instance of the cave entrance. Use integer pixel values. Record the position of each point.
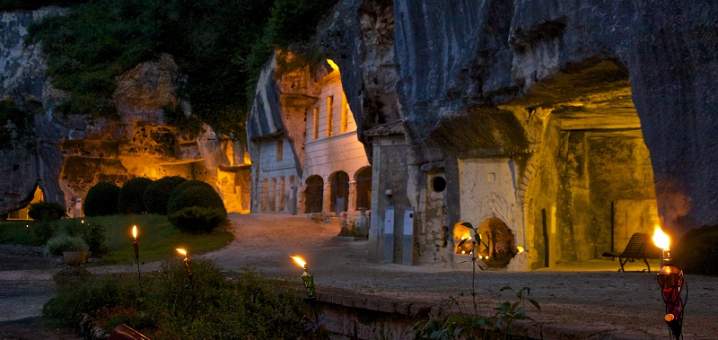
(313, 194)
(498, 243)
(24, 213)
(591, 177)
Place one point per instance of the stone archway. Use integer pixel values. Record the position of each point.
(313, 194)
(498, 243)
(339, 191)
(363, 188)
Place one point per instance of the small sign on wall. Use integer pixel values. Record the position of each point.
(388, 237)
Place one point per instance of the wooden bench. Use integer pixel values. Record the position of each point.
(638, 248)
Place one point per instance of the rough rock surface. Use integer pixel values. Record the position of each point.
(456, 58)
(66, 154)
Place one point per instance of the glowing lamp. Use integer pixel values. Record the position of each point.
(306, 277)
(134, 232)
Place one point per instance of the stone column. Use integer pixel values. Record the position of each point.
(352, 197)
(327, 198)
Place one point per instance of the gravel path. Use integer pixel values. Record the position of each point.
(596, 303)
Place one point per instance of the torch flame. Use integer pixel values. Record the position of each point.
(299, 260)
(333, 65)
(134, 232)
(661, 239)
(181, 251)
(520, 249)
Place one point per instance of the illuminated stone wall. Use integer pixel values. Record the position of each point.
(66, 154)
(301, 127)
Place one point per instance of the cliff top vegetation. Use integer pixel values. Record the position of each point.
(219, 45)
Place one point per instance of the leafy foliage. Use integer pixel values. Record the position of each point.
(158, 193)
(198, 219)
(130, 199)
(101, 199)
(92, 233)
(210, 307)
(194, 194)
(43, 231)
(194, 206)
(62, 243)
(219, 45)
(46, 211)
(465, 326)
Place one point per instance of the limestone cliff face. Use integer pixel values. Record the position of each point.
(33, 156)
(456, 62)
(66, 154)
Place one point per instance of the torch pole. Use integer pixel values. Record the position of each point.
(136, 247)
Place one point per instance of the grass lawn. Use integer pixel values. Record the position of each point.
(16, 232)
(158, 238)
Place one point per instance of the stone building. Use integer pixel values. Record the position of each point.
(304, 143)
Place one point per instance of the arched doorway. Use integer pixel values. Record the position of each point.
(340, 191)
(313, 194)
(363, 188)
(498, 244)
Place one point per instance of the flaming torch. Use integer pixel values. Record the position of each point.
(187, 263)
(307, 277)
(672, 283)
(136, 247)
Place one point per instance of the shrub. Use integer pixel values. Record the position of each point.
(101, 200)
(194, 194)
(46, 211)
(91, 295)
(697, 251)
(92, 233)
(130, 200)
(212, 308)
(43, 231)
(62, 243)
(158, 193)
(197, 219)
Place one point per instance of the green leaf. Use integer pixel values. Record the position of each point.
(535, 304)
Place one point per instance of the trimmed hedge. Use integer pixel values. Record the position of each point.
(101, 200)
(194, 194)
(46, 211)
(158, 193)
(198, 219)
(194, 206)
(130, 200)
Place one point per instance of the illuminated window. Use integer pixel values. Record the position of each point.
(344, 121)
(330, 115)
(280, 149)
(315, 123)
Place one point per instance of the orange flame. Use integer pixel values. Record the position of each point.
(333, 65)
(134, 232)
(299, 261)
(182, 251)
(660, 238)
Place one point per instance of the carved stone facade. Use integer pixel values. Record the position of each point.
(304, 142)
